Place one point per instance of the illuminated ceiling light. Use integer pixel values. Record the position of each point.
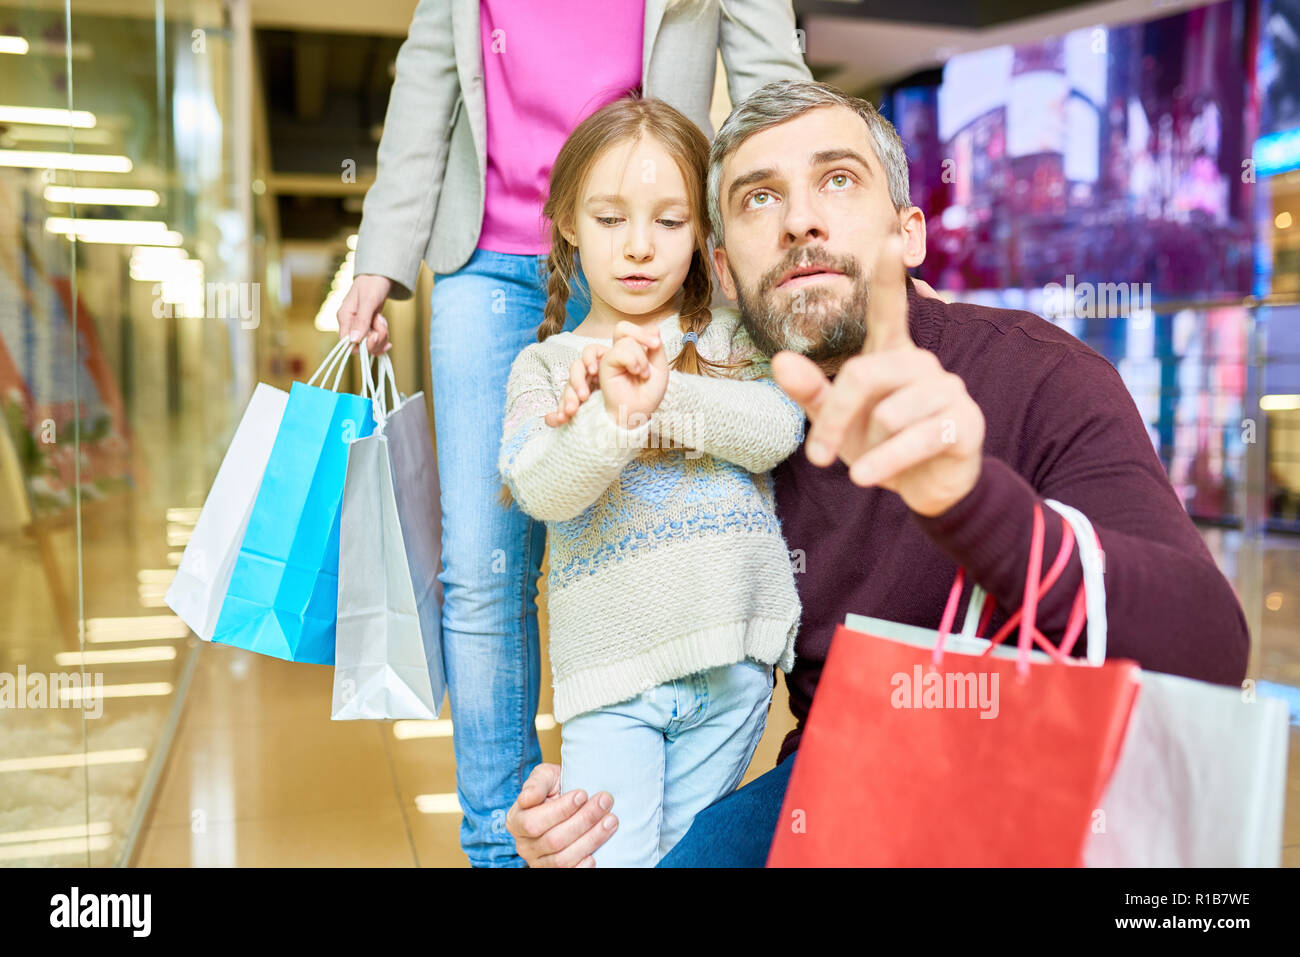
(145, 254)
(144, 689)
(55, 762)
(1283, 220)
(155, 575)
(47, 117)
(407, 730)
(437, 803)
(19, 133)
(139, 628)
(123, 231)
(15, 45)
(181, 271)
(114, 656)
(20, 852)
(190, 515)
(352, 241)
(82, 162)
(1279, 403)
(95, 196)
(327, 318)
(56, 833)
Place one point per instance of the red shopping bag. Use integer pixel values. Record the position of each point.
(915, 757)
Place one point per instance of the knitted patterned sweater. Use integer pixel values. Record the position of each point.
(658, 569)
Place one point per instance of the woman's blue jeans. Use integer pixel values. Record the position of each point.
(483, 315)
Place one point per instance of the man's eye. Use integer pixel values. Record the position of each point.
(842, 176)
(753, 199)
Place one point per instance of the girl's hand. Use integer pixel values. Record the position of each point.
(583, 380)
(633, 374)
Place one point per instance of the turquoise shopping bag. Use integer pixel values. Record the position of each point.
(283, 592)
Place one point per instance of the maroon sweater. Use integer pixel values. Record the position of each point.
(1059, 423)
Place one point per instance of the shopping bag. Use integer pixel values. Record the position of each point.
(925, 754)
(1200, 782)
(1201, 776)
(388, 655)
(199, 588)
(283, 590)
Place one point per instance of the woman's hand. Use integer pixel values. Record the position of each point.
(633, 373)
(359, 316)
(583, 380)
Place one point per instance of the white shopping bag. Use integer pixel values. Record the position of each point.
(1200, 781)
(1201, 776)
(199, 588)
(388, 652)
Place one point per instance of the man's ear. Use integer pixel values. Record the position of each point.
(723, 273)
(912, 222)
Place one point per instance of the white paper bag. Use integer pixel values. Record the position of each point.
(199, 588)
(388, 652)
(1200, 780)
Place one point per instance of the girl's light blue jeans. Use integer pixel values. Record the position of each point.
(667, 755)
(483, 315)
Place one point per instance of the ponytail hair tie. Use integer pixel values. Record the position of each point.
(691, 337)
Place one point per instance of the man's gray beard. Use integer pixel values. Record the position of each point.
(825, 329)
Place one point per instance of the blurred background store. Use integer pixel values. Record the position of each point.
(180, 188)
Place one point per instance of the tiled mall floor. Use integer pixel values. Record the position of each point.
(259, 775)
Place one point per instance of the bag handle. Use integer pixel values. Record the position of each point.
(335, 359)
(1028, 611)
(372, 386)
(1089, 602)
(386, 376)
(1092, 589)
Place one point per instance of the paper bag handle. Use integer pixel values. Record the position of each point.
(336, 358)
(372, 386)
(1089, 602)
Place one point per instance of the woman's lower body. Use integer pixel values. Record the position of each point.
(483, 315)
(666, 755)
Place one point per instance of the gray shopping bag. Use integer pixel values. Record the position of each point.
(388, 653)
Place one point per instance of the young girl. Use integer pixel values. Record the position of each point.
(671, 588)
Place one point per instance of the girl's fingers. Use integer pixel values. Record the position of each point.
(578, 378)
(591, 357)
(647, 336)
(628, 354)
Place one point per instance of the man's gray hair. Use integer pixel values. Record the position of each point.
(782, 100)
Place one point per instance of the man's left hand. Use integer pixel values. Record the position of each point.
(893, 414)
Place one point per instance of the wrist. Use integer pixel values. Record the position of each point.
(954, 489)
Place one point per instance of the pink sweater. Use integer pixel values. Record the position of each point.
(546, 67)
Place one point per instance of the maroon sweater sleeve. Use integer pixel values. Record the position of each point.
(1167, 604)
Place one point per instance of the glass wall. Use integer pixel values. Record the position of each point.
(129, 312)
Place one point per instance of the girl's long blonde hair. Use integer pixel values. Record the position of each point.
(632, 118)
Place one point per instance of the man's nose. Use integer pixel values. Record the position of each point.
(803, 219)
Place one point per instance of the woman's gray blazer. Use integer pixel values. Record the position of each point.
(427, 199)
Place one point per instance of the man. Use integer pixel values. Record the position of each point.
(942, 427)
